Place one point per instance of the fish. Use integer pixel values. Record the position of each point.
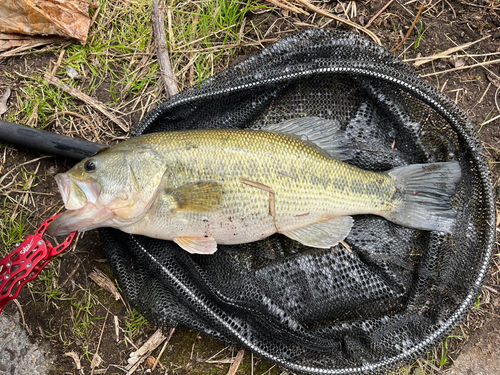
(204, 187)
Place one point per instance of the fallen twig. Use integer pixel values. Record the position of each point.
(346, 245)
(139, 356)
(324, 13)
(96, 359)
(85, 98)
(236, 364)
(104, 282)
(34, 42)
(410, 29)
(172, 330)
(463, 67)
(272, 195)
(28, 330)
(166, 72)
(378, 14)
(445, 54)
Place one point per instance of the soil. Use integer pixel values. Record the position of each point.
(47, 316)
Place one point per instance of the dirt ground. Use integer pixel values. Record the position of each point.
(67, 309)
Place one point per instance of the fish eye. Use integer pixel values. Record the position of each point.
(90, 165)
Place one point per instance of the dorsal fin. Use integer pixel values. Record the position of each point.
(325, 134)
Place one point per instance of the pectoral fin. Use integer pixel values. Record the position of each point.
(324, 234)
(197, 245)
(198, 196)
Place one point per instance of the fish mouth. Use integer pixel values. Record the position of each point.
(80, 199)
(77, 193)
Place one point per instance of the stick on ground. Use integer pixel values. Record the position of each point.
(324, 13)
(378, 14)
(445, 54)
(236, 363)
(85, 98)
(410, 29)
(167, 75)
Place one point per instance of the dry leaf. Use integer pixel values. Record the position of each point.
(3, 101)
(456, 61)
(75, 357)
(69, 18)
(150, 362)
(96, 361)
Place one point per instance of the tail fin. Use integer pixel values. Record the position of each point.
(426, 193)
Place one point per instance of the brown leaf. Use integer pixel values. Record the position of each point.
(150, 362)
(69, 18)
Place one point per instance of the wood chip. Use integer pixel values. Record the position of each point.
(457, 61)
(72, 73)
(139, 356)
(117, 328)
(104, 282)
(85, 98)
(172, 330)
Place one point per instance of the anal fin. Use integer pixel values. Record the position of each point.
(197, 245)
(324, 234)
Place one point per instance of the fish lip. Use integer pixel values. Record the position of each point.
(62, 180)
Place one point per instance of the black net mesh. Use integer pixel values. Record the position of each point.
(337, 311)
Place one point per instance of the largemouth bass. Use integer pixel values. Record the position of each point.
(201, 188)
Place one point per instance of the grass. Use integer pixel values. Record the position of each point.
(12, 226)
(420, 34)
